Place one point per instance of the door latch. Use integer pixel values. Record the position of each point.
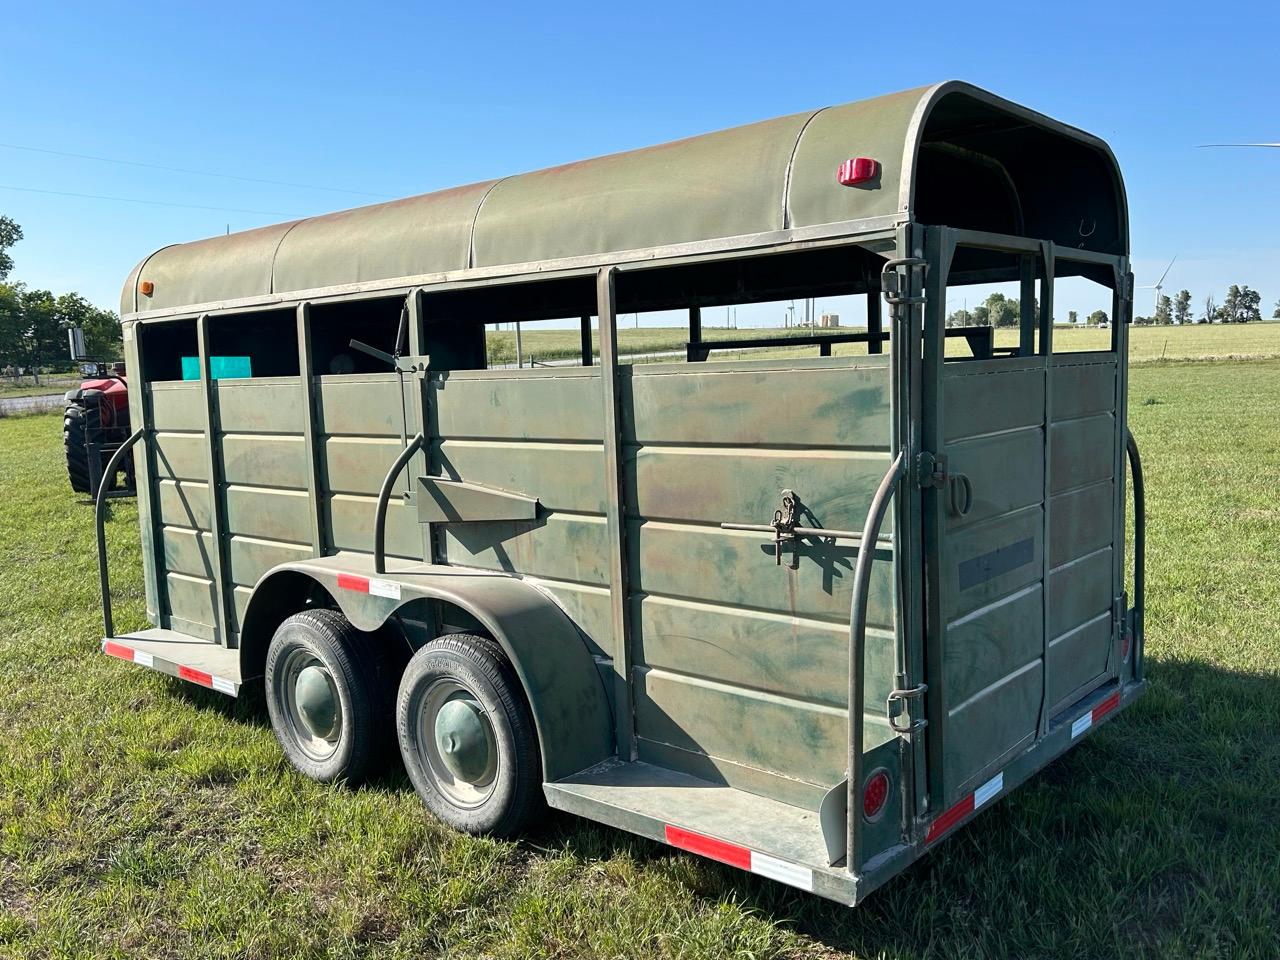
(931, 469)
(898, 705)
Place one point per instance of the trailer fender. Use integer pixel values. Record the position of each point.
(566, 694)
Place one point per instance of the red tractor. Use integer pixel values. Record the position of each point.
(95, 423)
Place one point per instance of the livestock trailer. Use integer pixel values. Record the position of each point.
(801, 604)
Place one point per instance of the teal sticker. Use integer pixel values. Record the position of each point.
(221, 368)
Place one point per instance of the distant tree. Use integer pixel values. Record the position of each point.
(1276, 314)
(1182, 307)
(1002, 311)
(981, 316)
(1097, 317)
(1073, 317)
(960, 318)
(10, 233)
(12, 328)
(1250, 305)
(1139, 321)
(1164, 311)
(1231, 305)
(1210, 310)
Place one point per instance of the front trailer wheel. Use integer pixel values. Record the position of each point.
(326, 698)
(467, 737)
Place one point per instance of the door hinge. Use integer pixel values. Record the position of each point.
(931, 470)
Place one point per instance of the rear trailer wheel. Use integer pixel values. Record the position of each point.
(328, 702)
(467, 737)
(73, 434)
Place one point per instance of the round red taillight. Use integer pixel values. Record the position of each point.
(875, 793)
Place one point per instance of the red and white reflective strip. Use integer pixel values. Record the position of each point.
(741, 857)
(371, 585)
(959, 811)
(142, 659)
(1083, 723)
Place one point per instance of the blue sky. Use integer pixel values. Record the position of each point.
(397, 99)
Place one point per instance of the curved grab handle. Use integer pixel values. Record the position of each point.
(99, 521)
(857, 649)
(1139, 549)
(384, 496)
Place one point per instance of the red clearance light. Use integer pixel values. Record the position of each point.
(874, 794)
(147, 288)
(857, 170)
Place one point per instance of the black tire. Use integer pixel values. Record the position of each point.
(353, 665)
(73, 434)
(476, 665)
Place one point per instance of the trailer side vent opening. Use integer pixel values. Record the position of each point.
(803, 600)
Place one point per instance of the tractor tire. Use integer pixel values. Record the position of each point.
(74, 430)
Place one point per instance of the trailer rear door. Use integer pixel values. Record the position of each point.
(1022, 536)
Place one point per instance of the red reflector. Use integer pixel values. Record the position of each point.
(196, 676)
(949, 819)
(118, 650)
(857, 170)
(349, 581)
(874, 794)
(1106, 706)
(1124, 646)
(728, 853)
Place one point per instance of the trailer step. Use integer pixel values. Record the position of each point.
(188, 658)
(765, 836)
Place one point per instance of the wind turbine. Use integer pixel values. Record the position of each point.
(1159, 284)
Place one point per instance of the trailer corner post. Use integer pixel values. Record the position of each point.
(606, 310)
(217, 519)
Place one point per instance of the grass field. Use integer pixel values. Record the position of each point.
(141, 817)
(26, 387)
(1193, 341)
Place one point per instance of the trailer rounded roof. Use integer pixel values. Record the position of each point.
(939, 148)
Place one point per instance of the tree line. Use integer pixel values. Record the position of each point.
(33, 323)
(1243, 304)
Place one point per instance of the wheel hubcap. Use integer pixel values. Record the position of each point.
(312, 707)
(458, 738)
(317, 701)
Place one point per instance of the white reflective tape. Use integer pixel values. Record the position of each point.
(1082, 724)
(782, 871)
(384, 588)
(988, 790)
(143, 659)
(225, 686)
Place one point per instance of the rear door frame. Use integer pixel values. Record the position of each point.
(938, 247)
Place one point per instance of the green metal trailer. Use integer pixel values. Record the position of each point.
(800, 614)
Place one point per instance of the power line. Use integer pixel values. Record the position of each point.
(152, 203)
(195, 173)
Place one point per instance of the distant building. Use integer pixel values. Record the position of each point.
(830, 320)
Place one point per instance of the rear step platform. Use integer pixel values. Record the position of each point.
(767, 837)
(189, 658)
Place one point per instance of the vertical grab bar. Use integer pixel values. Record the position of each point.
(99, 521)
(857, 649)
(384, 496)
(1139, 550)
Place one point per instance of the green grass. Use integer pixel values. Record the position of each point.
(1195, 341)
(141, 817)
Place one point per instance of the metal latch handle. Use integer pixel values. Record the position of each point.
(901, 695)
